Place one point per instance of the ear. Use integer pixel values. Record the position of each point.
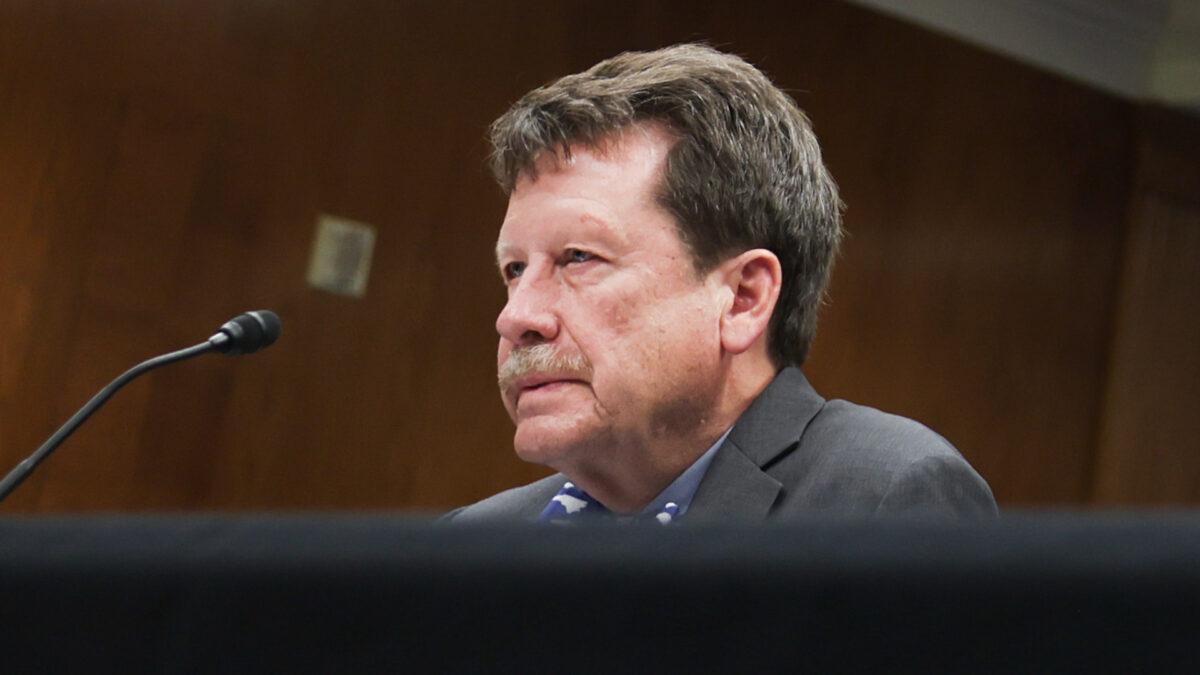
(754, 279)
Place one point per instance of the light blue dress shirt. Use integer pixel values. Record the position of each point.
(683, 488)
(572, 504)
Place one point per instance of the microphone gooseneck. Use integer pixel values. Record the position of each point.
(243, 334)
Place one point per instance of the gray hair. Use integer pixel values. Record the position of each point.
(745, 171)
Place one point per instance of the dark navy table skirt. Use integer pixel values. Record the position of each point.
(1059, 593)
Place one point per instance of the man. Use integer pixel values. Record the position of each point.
(669, 236)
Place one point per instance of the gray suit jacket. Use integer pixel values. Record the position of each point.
(792, 453)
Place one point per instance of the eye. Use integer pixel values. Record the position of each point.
(512, 270)
(575, 255)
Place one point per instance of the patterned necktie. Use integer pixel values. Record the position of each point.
(572, 505)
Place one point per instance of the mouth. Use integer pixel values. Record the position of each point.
(542, 383)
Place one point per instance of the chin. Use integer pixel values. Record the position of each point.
(546, 454)
(537, 444)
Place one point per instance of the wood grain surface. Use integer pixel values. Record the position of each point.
(163, 163)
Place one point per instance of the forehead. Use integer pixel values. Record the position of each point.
(637, 151)
(613, 182)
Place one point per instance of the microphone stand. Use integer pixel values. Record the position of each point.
(243, 334)
(22, 470)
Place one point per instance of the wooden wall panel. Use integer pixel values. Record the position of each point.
(164, 162)
(1149, 442)
(985, 211)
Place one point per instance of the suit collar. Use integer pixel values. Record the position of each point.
(777, 418)
(736, 485)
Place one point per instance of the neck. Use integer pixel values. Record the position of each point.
(626, 476)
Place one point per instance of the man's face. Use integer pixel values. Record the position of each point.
(609, 339)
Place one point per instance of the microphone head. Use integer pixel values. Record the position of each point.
(248, 333)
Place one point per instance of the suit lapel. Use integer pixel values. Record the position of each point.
(733, 488)
(737, 485)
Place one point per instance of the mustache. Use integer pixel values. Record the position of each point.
(542, 358)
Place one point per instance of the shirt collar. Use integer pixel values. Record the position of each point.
(683, 488)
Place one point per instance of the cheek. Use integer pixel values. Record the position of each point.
(644, 305)
(643, 324)
(689, 329)
(620, 318)
(598, 325)
(661, 337)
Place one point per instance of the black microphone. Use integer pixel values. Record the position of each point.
(243, 334)
(247, 333)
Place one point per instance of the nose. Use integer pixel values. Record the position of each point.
(528, 317)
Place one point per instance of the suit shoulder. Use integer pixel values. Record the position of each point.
(854, 428)
(520, 503)
(867, 460)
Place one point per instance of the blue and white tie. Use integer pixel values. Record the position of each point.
(573, 505)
